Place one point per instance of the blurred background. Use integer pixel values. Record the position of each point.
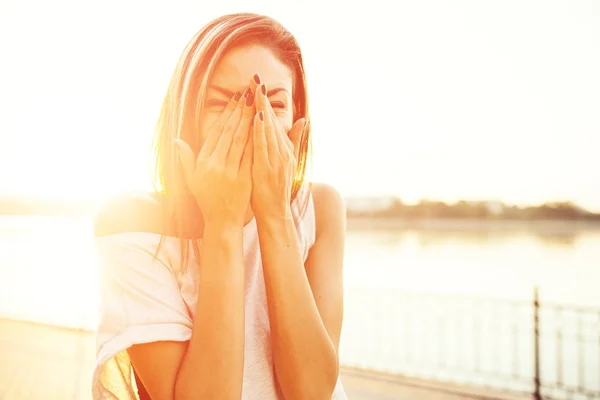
(464, 136)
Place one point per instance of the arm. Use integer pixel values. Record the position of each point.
(210, 365)
(305, 302)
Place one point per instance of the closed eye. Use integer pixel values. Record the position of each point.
(278, 104)
(215, 103)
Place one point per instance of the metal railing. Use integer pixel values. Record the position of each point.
(551, 351)
(574, 332)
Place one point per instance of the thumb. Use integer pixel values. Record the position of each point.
(295, 134)
(186, 154)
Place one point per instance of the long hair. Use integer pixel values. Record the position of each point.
(181, 110)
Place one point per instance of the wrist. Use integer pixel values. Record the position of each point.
(276, 234)
(223, 226)
(275, 217)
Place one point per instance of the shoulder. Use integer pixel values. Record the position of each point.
(330, 208)
(130, 212)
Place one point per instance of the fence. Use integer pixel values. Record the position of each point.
(551, 351)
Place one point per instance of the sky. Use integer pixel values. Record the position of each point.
(473, 100)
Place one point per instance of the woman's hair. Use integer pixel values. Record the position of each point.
(181, 109)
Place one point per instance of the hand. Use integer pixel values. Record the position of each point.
(274, 161)
(220, 178)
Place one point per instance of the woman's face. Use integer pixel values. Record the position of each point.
(234, 73)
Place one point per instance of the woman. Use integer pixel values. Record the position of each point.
(227, 282)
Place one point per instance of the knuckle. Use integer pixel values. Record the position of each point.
(231, 124)
(244, 127)
(239, 139)
(218, 127)
(229, 127)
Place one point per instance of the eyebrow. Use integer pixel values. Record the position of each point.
(229, 93)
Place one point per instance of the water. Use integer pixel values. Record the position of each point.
(416, 300)
(455, 304)
(48, 271)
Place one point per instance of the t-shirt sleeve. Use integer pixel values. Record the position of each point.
(140, 302)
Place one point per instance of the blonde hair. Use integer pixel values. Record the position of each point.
(181, 109)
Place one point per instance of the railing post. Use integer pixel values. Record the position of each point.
(536, 345)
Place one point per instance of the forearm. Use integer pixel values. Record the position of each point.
(305, 358)
(214, 360)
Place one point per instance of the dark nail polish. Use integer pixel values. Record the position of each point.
(237, 96)
(257, 79)
(261, 116)
(249, 99)
(263, 90)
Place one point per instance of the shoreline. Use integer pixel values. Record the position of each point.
(474, 225)
(440, 225)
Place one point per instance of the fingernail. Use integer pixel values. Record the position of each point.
(237, 96)
(257, 79)
(249, 99)
(261, 116)
(263, 90)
